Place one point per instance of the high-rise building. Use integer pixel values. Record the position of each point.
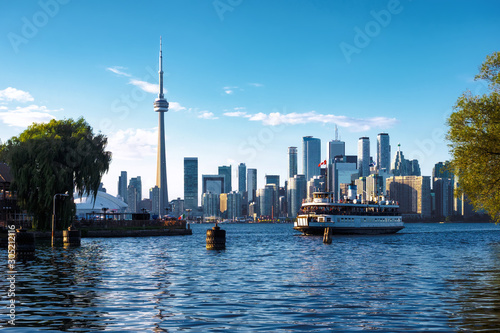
(383, 152)
(251, 184)
(213, 184)
(266, 195)
(154, 196)
(311, 158)
(442, 170)
(292, 161)
(122, 186)
(242, 177)
(191, 183)
(296, 193)
(443, 194)
(335, 148)
(137, 183)
(211, 206)
(274, 180)
(413, 193)
(364, 156)
(226, 172)
(161, 106)
(403, 167)
(233, 205)
(132, 195)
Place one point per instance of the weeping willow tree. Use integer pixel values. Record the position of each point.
(56, 157)
(474, 135)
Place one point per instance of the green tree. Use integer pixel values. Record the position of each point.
(474, 135)
(56, 157)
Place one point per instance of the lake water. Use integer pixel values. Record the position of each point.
(434, 277)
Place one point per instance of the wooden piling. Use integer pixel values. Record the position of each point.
(327, 235)
(25, 244)
(72, 237)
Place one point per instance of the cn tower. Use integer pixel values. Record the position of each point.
(161, 106)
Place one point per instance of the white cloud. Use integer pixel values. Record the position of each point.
(146, 86)
(236, 114)
(25, 116)
(174, 106)
(207, 115)
(133, 143)
(230, 90)
(118, 70)
(257, 85)
(354, 124)
(13, 94)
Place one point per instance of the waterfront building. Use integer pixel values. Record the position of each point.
(297, 191)
(364, 156)
(226, 172)
(234, 205)
(132, 194)
(211, 206)
(443, 196)
(251, 184)
(213, 184)
(223, 205)
(383, 152)
(242, 177)
(122, 186)
(191, 183)
(161, 106)
(265, 196)
(274, 180)
(292, 161)
(316, 184)
(137, 183)
(311, 156)
(413, 193)
(177, 207)
(154, 196)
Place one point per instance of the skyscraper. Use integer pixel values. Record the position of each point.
(242, 177)
(226, 172)
(154, 196)
(122, 186)
(161, 106)
(292, 161)
(191, 183)
(364, 156)
(383, 152)
(297, 191)
(311, 158)
(335, 148)
(251, 184)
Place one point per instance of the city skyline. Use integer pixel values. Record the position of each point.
(368, 68)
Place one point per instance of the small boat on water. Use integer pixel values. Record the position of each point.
(349, 216)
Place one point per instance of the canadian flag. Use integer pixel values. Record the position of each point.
(322, 163)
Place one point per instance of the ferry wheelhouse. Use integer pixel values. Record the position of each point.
(349, 216)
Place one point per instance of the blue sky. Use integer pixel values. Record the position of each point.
(245, 79)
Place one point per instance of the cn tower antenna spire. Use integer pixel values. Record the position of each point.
(160, 71)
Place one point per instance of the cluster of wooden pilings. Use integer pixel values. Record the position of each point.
(21, 243)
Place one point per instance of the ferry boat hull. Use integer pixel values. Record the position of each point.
(336, 230)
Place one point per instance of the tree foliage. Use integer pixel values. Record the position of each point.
(55, 157)
(474, 135)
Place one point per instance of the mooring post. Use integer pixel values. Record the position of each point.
(216, 238)
(327, 236)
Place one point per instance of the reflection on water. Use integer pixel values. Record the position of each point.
(436, 277)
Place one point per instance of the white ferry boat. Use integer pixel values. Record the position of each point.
(349, 216)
